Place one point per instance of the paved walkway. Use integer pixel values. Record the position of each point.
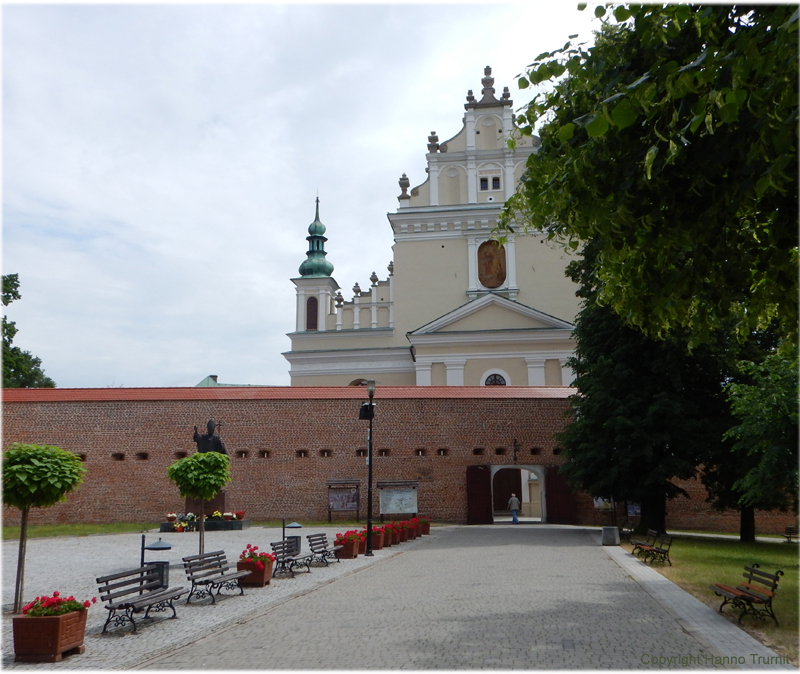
(495, 597)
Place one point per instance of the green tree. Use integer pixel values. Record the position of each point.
(21, 369)
(766, 409)
(673, 142)
(36, 476)
(645, 411)
(201, 476)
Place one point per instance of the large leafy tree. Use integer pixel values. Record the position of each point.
(36, 476)
(767, 431)
(673, 142)
(646, 411)
(201, 476)
(21, 369)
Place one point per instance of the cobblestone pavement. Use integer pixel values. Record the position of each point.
(498, 597)
(71, 564)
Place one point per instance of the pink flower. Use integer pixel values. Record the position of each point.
(94, 600)
(55, 594)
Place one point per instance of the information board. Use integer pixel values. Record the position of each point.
(342, 499)
(398, 501)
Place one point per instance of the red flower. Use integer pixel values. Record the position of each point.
(87, 603)
(259, 565)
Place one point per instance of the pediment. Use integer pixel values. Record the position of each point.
(493, 312)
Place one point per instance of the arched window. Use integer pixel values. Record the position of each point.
(311, 313)
(495, 380)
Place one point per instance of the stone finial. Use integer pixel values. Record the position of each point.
(433, 142)
(470, 97)
(391, 268)
(404, 183)
(357, 290)
(487, 81)
(374, 279)
(338, 299)
(506, 94)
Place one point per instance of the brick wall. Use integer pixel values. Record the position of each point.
(129, 442)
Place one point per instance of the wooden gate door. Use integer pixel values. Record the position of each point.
(559, 497)
(479, 495)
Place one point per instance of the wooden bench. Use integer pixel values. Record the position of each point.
(790, 534)
(320, 550)
(285, 559)
(211, 571)
(131, 591)
(753, 595)
(649, 540)
(658, 550)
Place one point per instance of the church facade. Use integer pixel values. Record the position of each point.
(457, 308)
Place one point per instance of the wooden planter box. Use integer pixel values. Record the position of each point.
(424, 528)
(362, 546)
(257, 578)
(49, 638)
(349, 550)
(377, 540)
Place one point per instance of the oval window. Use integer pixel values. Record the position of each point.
(491, 264)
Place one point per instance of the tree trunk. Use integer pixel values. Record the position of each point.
(747, 524)
(202, 527)
(23, 544)
(654, 512)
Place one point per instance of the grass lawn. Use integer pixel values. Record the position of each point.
(698, 563)
(50, 530)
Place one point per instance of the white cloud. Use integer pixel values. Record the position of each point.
(161, 165)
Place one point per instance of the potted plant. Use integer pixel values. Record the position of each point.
(387, 536)
(377, 537)
(50, 628)
(36, 476)
(239, 514)
(362, 542)
(227, 516)
(259, 564)
(349, 541)
(171, 517)
(424, 525)
(179, 526)
(403, 528)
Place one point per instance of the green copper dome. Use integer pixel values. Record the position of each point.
(316, 265)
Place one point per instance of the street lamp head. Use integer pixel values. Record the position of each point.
(370, 387)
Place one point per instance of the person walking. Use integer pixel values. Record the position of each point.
(513, 506)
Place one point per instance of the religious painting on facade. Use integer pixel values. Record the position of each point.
(491, 264)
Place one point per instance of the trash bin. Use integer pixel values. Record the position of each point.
(163, 573)
(296, 540)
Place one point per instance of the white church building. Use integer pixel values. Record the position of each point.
(457, 308)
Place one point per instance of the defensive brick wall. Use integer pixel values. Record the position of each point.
(286, 443)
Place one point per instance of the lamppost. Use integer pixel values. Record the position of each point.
(367, 411)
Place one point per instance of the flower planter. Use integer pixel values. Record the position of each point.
(395, 536)
(403, 535)
(349, 550)
(49, 638)
(387, 538)
(377, 540)
(171, 519)
(412, 533)
(424, 528)
(257, 578)
(362, 546)
(227, 518)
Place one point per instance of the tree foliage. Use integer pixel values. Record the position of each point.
(674, 141)
(767, 432)
(21, 369)
(39, 476)
(36, 476)
(645, 411)
(201, 476)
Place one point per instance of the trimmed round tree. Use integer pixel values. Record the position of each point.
(36, 476)
(201, 476)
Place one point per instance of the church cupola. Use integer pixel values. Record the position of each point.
(316, 266)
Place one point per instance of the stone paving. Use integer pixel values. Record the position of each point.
(496, 597)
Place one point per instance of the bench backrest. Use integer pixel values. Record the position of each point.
(128, 582)
(317, 542)
(791, 530)
(206, 565)
(759, 582)
(663, 542)
(283, 549)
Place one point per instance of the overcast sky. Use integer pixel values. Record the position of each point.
(160, 165)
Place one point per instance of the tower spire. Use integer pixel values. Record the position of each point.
(315, 265)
